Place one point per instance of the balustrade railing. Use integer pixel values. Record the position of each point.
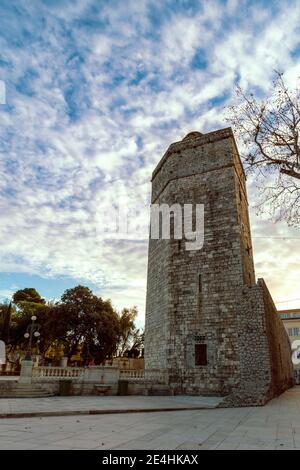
(157, 376)
(57, 372)
(141, 375)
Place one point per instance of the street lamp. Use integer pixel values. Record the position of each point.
(32, 330)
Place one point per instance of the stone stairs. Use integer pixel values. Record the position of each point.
(13, 389)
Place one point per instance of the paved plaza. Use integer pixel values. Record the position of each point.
(56, 406)
(275, 426)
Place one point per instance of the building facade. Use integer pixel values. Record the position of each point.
(291, 321)
(208, 323)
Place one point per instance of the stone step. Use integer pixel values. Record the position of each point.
(12, 389)
(25, 395)
(16, 390)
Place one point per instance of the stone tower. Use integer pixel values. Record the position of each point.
(209, 325)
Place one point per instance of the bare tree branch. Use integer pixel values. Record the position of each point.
(269, 132)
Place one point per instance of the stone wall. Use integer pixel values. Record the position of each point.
(180, 312)
(208, 298)
(265, 368)
(126, 362)
(279, 346)
(89, 383)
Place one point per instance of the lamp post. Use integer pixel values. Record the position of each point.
(32, 330)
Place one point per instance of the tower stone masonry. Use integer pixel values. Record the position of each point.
(209, 325)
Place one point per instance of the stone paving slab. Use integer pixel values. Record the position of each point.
(274, 426)
(68, 406)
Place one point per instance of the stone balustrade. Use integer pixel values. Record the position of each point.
(157, 376)
(87, 380)
(84, 380)
(57, 373)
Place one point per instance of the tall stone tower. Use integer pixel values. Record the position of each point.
(208, 324)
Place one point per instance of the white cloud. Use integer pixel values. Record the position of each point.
(134, 92)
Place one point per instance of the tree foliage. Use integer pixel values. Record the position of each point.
(126, 331)
(28, 295)
(20, 319)
(6, 312)
(80, 322)
(84, 321)
(269, 130)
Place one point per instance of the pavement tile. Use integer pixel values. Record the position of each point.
(275, 426)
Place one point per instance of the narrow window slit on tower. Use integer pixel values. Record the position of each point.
(199, 283)
(200, 293)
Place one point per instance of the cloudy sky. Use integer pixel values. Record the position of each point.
(95, 92)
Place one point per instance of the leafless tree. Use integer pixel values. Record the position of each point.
(269, 133)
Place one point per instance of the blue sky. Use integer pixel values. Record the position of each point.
(95, 93)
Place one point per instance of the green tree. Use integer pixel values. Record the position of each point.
(29, 294)
(80, 321)
(83, 321)
(27, 302)
(102, 337)
(6, 312)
